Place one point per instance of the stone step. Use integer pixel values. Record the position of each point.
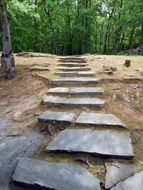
(74, 68)
(99, 119)
(73, 60)
(73, 64)
(50, 116)
(77, 81)
(102, 143)
(59, 101)
(85, 118)
(76, 74)
(76, 90)
(57, 176)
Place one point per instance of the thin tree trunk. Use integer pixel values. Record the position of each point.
(106, 37)
(69, 36)
(142, 31)
(54, 41)
(36, 29)
(121, 42)
(7, 58)
(131, 38)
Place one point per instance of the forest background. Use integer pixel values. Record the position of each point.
(67, 27)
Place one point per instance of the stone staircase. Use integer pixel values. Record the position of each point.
(94, 133)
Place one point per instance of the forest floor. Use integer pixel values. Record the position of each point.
(20, 98)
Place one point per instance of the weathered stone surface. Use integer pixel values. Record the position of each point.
(58, 90)
(86, 90)
(86, 74)
(5, 125)
(56, 116)
(56, 176)
(133, 183)
(12, 148)
(118, 172)
(53, 100)
(104, 143)
(76, 90)
(76, 81)
(76, 74)
(56, 100)
(96, 102)
(74, 68)
(99, 119)
(73, 64)
(69, 59)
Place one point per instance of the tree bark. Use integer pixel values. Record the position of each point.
(131, 37)
(142, 32)
(54, 40)
(7, 58)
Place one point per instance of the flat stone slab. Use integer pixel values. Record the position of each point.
(12, 148)
(58, 90)
(76, 90)
(86, 90)
(99, 119)
(73, 60)
(102, 143)
(76, 81)
(73, 64)
(74, 68)
(118, 172)
(56, 116)
(133, 183)
(56, 100)
(76, 74)
(53, 100)
(56, 176)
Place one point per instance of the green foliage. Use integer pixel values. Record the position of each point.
(75, 27)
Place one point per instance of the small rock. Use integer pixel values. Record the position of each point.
(108, 72)
(114, 96)
(114, 68)
(106, 68)
(110, 68)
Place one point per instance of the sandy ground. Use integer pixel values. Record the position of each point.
(96, 62)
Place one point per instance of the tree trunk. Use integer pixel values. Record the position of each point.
(54, 41)
(142, 32)
(7, 58)
(106, 37)
(131, 37)
(36, 30)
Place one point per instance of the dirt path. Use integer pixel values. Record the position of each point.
(20, 104)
